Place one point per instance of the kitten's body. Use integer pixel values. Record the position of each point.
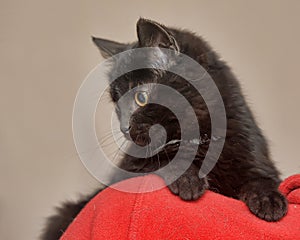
(244, 170)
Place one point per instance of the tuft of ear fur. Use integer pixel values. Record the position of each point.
(153, 34)
(109, 48)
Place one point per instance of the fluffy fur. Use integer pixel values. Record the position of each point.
(244, 170)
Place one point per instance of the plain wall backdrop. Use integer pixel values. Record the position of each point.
(46, 52)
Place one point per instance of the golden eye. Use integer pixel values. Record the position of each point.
(141, 98)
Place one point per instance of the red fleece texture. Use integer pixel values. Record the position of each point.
(161, 215)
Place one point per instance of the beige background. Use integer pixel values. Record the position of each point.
(46, 52)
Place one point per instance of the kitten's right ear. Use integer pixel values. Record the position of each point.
(108, 48)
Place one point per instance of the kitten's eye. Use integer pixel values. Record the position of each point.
(141, 98)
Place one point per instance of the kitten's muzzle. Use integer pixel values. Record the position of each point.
(125, 129)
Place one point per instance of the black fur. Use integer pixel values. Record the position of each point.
(244, 170)
(57, 224)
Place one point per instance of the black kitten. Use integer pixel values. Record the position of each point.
(244, 170)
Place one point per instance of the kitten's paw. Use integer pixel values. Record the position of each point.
(189, 187)
(270, 206)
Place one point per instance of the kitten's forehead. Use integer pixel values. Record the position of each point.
(153, 59)
(142, 76)
(139, 80)
(154, 56)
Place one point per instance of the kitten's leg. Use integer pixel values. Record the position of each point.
(57, 224)
(188, 186)
(263, 199)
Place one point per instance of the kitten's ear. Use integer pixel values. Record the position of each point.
(153, 34)
(108, 48)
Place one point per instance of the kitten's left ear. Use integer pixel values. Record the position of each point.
(153, 34)
(108, 48)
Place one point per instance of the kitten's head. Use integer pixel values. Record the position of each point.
(135, 113)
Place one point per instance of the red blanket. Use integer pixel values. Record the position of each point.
(161, 215)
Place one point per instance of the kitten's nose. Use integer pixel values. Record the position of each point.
(125, 129)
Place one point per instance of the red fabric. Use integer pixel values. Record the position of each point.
(161, 215)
